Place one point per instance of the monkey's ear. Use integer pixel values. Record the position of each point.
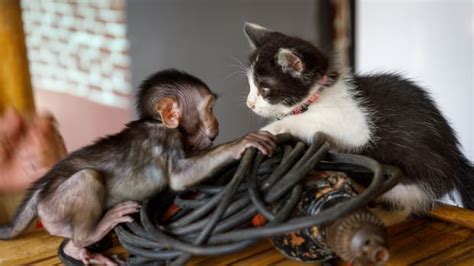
(290, 62)
(169, 112)
(255, 34)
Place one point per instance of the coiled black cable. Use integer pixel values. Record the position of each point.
(218, 221)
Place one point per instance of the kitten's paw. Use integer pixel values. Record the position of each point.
(275, 128)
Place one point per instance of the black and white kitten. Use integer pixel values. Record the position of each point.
(382, 116)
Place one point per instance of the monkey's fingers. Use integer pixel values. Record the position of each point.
(266, 137)
(265, 141)
(97, 258)
(126, 205)
(251, 144)
(122, 209)
(268, 134)
(119, 261)
(262, 146)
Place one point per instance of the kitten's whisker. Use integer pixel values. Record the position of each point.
(233, 74)
(242, 65)
(238, 67)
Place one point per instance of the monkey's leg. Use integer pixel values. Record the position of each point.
(74, 211)
(84, 235)
(87, 233)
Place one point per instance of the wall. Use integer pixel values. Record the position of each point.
(79, 64)
(429, 41)
(205, 38)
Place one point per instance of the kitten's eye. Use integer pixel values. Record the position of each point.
(265, 92)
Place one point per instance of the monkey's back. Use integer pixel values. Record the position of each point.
(133, 163)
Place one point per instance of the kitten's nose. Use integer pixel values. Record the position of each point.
(250, 104)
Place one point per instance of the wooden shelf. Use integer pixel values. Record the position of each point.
(422, 241)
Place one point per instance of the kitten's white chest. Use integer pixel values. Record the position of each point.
(337, 113)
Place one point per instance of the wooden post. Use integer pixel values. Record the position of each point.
(15, 84)
(453, 214)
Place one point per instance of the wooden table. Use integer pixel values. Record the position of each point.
(422, 241)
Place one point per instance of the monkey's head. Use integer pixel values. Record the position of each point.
(180, 101)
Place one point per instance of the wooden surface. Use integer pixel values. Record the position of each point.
(423, 241)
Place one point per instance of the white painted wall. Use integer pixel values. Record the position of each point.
(429, 41)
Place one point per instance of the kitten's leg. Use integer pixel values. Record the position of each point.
(390, 215)
(396, 205)
(343, 135)
(295, 125)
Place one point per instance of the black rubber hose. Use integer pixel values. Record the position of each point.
(285, 165)
(321, 218)
(251, 211)
(243, 201)
(235, 207)
(128, 237)
(231, 188)
(139, 231)
(191, 248)
(198, 213)
(255, 195)
(297, 173)
(218, 209)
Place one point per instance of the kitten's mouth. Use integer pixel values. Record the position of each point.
(269, 115)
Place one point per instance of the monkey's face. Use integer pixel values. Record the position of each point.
(199, 123)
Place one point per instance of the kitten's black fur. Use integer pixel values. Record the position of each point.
(316, 65)
(286, 89)
(409, 130)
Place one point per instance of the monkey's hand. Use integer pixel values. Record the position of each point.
(263, 141)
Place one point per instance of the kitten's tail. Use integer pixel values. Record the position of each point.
(24, 215)
(466, 189)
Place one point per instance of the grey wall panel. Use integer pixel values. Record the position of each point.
(205, 38)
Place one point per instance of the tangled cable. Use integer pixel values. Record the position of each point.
(217, 220)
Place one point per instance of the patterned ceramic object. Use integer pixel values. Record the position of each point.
(322, 190)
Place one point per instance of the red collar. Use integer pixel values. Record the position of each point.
(323, 82)
(305, 105)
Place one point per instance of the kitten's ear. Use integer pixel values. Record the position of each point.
(255, 34)
(290, 62)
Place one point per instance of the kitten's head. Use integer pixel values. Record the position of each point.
(283, 70)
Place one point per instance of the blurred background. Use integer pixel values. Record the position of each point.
(82, 60)
(86, 58)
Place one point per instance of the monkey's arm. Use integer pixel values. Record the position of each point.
(189, 171)
(192, 170)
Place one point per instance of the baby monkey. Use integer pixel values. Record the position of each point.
(87, 194)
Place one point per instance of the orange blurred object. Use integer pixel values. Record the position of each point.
(170, 212)
(259, 220)
(30, 145)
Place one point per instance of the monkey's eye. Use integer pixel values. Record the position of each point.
(265, 91)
